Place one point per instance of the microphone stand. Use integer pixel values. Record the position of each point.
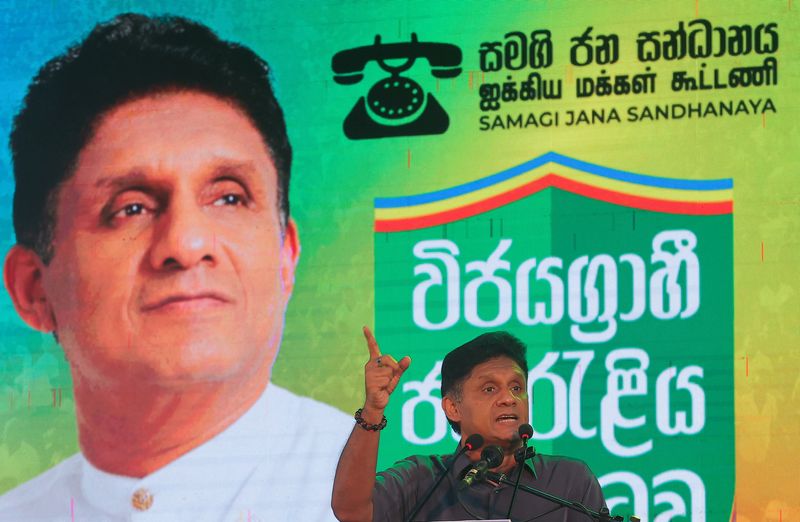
(468, 445)
(524, 457)
(601, 516)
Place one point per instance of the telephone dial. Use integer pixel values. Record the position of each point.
(397, 105)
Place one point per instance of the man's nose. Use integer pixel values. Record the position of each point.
(507, 397)
(183, 237)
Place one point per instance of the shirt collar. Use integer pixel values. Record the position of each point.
(214, 471)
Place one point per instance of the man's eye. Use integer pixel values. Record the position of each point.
(131, 209)
(516, 389)
(488, 389)
(230, 200)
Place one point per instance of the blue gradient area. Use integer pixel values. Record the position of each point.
(560, 159)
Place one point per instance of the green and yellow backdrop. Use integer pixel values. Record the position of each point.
(616, 183)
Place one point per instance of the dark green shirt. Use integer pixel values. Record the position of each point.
(399, 488)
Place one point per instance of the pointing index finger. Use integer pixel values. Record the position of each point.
(372, 344)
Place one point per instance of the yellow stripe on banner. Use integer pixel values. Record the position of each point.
(624, 187)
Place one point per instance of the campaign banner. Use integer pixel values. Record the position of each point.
(620, 284)
(566, 171)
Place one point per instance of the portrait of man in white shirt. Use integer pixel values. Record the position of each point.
(154, 241)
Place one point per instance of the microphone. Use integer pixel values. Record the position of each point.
(473, 442)
(491, 457)
(524, 453)
(525, 433)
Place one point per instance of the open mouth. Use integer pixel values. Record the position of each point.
(507, 418)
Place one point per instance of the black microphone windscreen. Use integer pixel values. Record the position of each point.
(525, 431)
(493, 455)
(474, 441)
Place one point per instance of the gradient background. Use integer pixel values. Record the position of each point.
(335, 181)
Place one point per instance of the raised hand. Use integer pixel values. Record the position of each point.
(381, 375)
(355, 474)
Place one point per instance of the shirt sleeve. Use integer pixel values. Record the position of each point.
(398, 489)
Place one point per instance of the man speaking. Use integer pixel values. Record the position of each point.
(154, 241)
(485, 398)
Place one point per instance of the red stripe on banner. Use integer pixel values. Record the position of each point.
(696, 208)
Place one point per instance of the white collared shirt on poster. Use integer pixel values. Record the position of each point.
(274, 463)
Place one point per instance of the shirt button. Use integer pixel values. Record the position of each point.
(142, 499)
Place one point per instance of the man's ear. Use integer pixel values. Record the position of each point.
(451, 409)
(290, 253)
(22, 274)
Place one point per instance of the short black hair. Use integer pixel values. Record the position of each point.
(126, 58)
(458, 364)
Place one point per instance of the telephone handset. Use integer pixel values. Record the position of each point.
(397, 105)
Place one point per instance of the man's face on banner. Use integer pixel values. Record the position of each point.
(170, 265)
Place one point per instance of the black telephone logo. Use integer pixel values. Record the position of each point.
(397, 105)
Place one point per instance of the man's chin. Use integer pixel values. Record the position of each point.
(195, 364)
(507, 433)
(153, 375)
